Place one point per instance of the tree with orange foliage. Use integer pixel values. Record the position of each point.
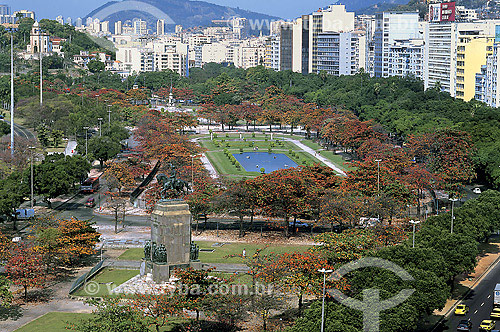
(342, 209)
(299, 272)
(160, 306)
(78, 239)
(448, 154)
(118, 176)
(281, 193)
(26, 268)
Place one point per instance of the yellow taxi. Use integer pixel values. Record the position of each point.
(495, 314)
(461, 310)
(486, 325)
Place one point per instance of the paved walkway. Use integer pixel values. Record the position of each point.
(59, 301)
(316, 155)
(209, 166)
(70, 148)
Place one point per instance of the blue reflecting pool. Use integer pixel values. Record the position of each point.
(254, 161)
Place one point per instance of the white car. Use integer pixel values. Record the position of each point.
(476, 191)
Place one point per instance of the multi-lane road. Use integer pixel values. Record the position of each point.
(480, 302)
(22, 132)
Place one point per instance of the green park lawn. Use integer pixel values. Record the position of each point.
(53, 322)
(224, 166)
(58, 321)
(330, 155)
(107, 275)
(219, 254)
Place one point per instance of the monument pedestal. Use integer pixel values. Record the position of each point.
(171, 239)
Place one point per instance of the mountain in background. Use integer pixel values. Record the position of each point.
(359, 6)
(186, 13)
(418, 5)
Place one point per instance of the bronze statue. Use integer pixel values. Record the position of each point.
(172, 187)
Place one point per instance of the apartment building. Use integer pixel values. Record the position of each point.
(472, 55)
(486, 88)
(272, 53)
(450, 62)
(341, 53)
(391, 27)
(406, 58)
(306, 31)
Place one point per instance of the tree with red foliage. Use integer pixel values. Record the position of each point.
(446, 153)
(160, 306)
(26, 268)
(282, 193)
(237, 198)
(195, 286)
(299, 272)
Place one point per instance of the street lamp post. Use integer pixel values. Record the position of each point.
(378, 175)
(97, 100)
(86, 140)
(109, 118)
(100, 125)
(414, 223)
(324, 291)
(453, 200)
(41, 73)
(12, 92)
(31, 163)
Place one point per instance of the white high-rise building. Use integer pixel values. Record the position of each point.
(118, 28)
(442, 41)
(96, 25)
(89, 21)
(105, 26)
(140, 27)
(60, 19)
(160, 27)
(79, 22)
(341, 53)
(391, 27)
(69, 21)
(307, 29)
(406, 58)
(272, 55)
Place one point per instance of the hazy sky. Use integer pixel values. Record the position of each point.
(80, 8)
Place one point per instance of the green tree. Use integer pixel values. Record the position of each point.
(96, 66)
(103, 148)
(111, 315)
(51, 179)
(56, 136)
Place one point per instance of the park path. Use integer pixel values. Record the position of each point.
(59, 301)
(316, 155)
(70, 148)
(208, 165)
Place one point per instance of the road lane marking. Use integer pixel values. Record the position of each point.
(489, 296)
(482, 304)
(475, 312)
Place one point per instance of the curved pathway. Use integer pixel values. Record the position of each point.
(316, 155)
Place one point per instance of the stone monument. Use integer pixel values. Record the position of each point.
(170, 246)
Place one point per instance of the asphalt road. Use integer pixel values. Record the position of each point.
(480, 302)
(76, 208)
(22, 132)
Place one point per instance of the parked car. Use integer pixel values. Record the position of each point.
(90, 202)
(487, 325)
(464, 325)
(461, 310)
(476, 191)
(299, 224)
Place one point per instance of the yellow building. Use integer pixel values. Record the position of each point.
(472, 52)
